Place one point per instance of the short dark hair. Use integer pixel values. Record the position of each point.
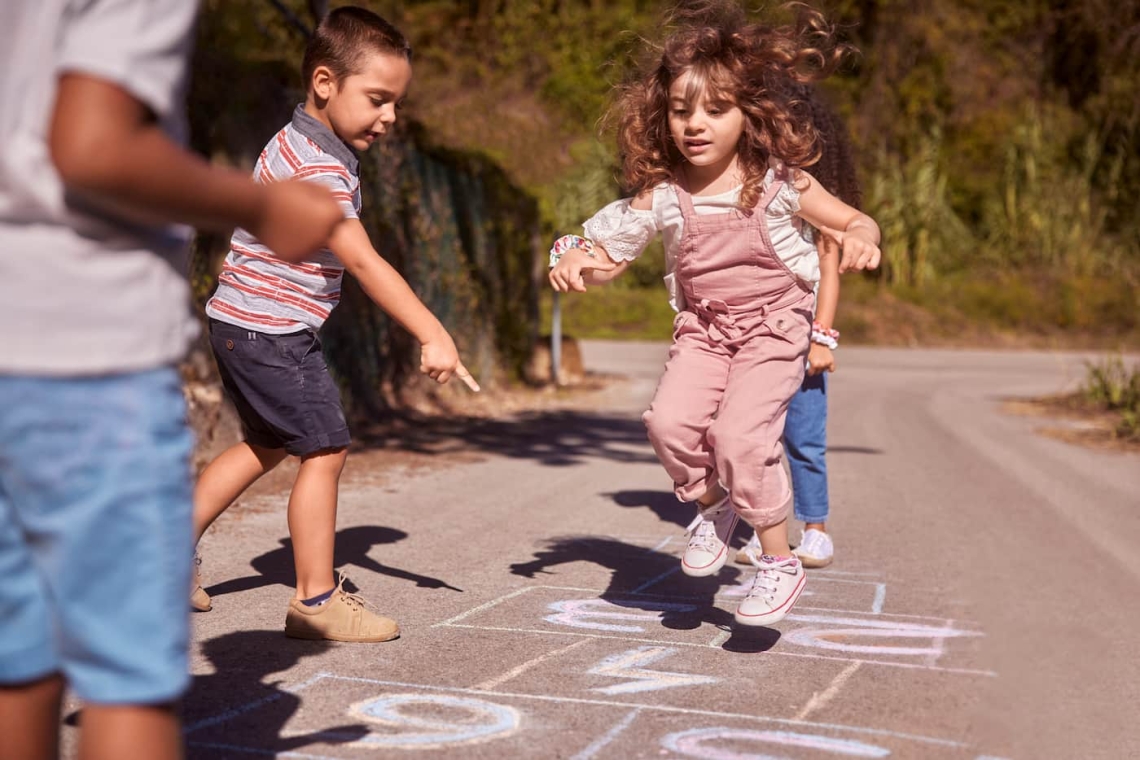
(345, 36)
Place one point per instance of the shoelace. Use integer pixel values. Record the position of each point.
(767, 581)
(702, 530)
(355, 601)
(702, 534)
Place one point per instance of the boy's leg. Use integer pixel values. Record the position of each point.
(322, 609)
(227, 477)
(312, 520)
(130, 732)
(29, 719)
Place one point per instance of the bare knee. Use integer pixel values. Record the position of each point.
(326, 461)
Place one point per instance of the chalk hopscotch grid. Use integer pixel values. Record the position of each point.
(636, 708)
(715, 643)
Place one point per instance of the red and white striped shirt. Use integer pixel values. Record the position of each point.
(258, 291)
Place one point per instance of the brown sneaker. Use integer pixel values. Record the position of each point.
(199, 599)
(342, 618)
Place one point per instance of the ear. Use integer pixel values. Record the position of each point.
(323, 82)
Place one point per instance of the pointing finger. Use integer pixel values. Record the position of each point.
(462, 373)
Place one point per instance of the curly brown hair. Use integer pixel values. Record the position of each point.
(758, 67)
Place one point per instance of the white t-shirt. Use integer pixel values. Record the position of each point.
(625, 231)
(81, 293)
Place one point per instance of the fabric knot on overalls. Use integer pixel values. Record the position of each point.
(722, 323)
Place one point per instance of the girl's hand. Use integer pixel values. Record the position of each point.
(858, 250)
(820, 359)
(569, 273)
(439, 360)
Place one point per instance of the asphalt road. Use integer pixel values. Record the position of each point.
(984, 601)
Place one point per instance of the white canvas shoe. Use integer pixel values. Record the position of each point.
(816, 549)
(775, 589)
(709, 534)
(753, 546)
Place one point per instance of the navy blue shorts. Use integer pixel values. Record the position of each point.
(281, 387)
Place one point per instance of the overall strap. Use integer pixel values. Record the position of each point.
(688, 213)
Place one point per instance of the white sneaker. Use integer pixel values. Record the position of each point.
(776, 587)
(753, 546)
(816, 549)
(709, 534)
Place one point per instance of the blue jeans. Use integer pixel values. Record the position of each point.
(805, 441)
(95, 534)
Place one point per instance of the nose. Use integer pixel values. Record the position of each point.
(388, 115)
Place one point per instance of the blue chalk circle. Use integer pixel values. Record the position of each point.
(424, 721)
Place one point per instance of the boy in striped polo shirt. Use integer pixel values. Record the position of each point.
(265, 315)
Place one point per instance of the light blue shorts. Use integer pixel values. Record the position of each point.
(95, 534)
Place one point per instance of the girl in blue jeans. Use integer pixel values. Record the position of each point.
(805, 431)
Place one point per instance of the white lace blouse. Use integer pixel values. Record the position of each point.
(625, 231)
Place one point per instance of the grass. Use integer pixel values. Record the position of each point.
(1113, 387)
(998, 311)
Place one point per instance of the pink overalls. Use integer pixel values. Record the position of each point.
(737, 358)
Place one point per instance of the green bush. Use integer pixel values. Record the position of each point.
(1112, 386)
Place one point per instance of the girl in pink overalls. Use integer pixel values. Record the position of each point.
(712, 148)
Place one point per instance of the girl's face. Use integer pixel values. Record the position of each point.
(706, 127)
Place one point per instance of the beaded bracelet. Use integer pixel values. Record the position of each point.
(568, 243)
(824, 336)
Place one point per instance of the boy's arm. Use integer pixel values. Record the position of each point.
(391, 292)
(107, 146)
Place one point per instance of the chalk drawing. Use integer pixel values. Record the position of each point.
(837, 639)
(588, 613)
(696, 743)
(631, 665)
(417, 720)
(607, 738)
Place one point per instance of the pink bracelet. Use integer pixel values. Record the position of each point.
(824, 336)
(568, 243)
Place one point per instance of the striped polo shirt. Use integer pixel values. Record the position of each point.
(258, 291)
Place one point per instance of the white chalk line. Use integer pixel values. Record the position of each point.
(647, 707)
(768, 653)
(518, 671)
(603, 741)
(820, 700)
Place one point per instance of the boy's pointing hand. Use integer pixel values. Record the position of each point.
(439, 360)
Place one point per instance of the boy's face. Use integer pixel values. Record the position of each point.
(362, 107)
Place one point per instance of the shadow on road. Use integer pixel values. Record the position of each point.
(556, 438)
(237, 710)
(352, 547)
(633, 570)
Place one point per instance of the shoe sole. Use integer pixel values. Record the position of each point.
(315, 636)
(814, 562)
(715, 566)
(200, 606)
(771, 618)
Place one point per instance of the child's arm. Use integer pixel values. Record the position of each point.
(855, 232)
(438, 356)
(578, 268)
(820, 357)
(108, 147)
